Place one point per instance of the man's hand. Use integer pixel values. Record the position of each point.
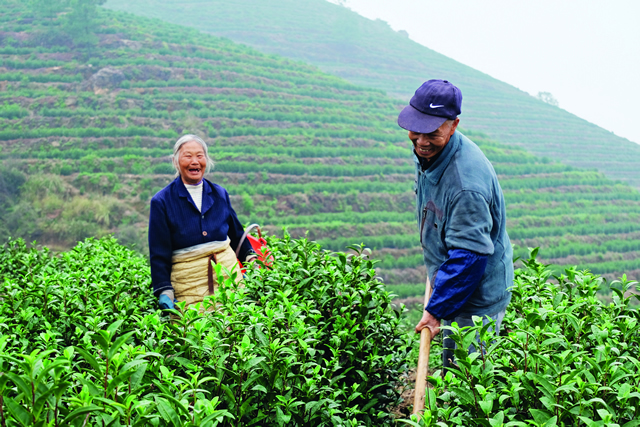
(428, 321)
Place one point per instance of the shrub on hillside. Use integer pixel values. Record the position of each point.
(309, 342)
(163, 168)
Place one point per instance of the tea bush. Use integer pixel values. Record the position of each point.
(310, 342)
(564, 358)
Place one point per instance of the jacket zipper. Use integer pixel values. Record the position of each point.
(424, 217)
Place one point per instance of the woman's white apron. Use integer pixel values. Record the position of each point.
(192, 273)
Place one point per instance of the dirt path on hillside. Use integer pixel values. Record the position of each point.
(405, 408)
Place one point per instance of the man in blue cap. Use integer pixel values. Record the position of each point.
(461, 216)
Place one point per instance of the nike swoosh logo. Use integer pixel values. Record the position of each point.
(435, 106)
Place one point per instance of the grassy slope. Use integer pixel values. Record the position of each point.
(370, 53)
(293, 146)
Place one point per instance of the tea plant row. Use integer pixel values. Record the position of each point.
(312, 341)
(564, 358)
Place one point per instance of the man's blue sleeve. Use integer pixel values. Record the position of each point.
(456, 280)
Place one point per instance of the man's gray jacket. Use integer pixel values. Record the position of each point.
(460, 205)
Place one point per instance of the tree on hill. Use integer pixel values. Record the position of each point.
(78, 20)
(548, 98)
(80, 23)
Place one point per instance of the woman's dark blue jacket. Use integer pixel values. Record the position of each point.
(175, 223)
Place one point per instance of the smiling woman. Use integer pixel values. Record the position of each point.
(191, 227)
(192, 162)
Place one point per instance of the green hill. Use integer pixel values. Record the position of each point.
(85, 135)
(370, 53)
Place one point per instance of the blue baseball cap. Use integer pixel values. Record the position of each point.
(435, 102)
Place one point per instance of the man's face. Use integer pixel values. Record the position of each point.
(428, 145)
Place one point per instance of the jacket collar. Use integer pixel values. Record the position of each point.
(435, 171)
(207, 202)
(207, 189)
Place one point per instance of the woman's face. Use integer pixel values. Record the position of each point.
(192, 162)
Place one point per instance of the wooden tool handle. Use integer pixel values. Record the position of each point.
(421, 372)
(423, 361)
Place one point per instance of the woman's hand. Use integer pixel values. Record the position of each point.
(166, 300)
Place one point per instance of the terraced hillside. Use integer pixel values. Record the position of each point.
(370, 53)
(85, 135)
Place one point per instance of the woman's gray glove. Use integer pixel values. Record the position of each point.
(166, 300)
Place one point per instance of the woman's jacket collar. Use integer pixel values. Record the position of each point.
(207, 188)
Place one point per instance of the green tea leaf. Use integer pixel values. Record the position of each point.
(118, 343)
(541, 417)
(19, 413)
(91, 360)
(167, 412)
(81, 411)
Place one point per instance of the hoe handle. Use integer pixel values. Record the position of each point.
(423, 361)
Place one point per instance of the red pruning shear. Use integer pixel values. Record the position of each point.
(258, 244)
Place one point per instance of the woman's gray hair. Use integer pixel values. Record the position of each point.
(175, 158)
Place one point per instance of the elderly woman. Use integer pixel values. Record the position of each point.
(191, 226)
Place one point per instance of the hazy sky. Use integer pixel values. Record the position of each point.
(584, 52)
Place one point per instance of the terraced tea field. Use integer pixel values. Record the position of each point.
(370, 53)
(85, 135)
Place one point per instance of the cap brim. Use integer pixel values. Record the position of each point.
(418, 122)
